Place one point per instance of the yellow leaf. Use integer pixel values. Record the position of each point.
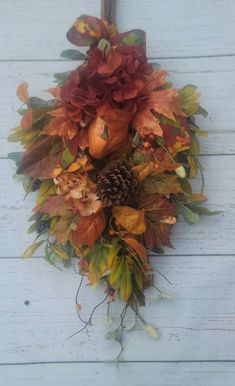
(29, 252)
(143, 170)
(130, 219)
(60, 252)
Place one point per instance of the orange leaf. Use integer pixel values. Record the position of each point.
(55, 92)
(143, 170)
(22, 92)
(27, 120)
(89, 229)
(54, 206)
(108, 134)
(130, 219)
(146, 123)
(166, 102)
(137, 246)
(61, 125)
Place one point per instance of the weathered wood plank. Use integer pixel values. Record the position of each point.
(37, 314)
(211, 235)
(138, 374)
(215, 80)
(36, 29)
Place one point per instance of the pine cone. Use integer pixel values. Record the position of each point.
(116, 183)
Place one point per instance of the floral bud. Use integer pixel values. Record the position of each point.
(180, 171)
(151, 330)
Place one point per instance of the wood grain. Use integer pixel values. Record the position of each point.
(38, 314)
(138, 374)
(36, 29)
(215, 79)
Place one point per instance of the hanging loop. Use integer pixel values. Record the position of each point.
(108, 10)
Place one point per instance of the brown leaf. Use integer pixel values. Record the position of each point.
(166, 102)
(37, 161)
(157, 209)
(130, 219)
(54, 206)
(164, 184)
(89, 229)
(22, 92)
(61, 125)
(146, 123)
(137, 246)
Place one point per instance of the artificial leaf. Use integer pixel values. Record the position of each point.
(67, 158)
(22, 92)
(130, 38)
(89, 229)
(116, 124)
(61, 124)
(146, 123)
(54, 206)
(61, 228)
(73, 55)
(16, 156)
(162, 184)
(189, 216)
(137, 246)
(130, 219)
(61, 77)
(196, 197)
(143, 170)
(157, 209)
(30, 251)
(46, 189)
(27, 120)
(87, 30)
(189, 99)
(60, 252)
(100, 258)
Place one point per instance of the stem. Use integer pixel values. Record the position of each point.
(108, 10)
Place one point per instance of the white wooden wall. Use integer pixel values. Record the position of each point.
(195, 41)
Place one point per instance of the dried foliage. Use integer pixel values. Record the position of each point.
(111, 156)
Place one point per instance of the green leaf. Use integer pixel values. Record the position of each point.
(104, 46)
(32, 228)
(35, 102)
(156, 66)
(67, 158)
(27, 183)
(16, 156)
(195, 147)
(29, 252)
(189, 216)
(200, 132)
(201, 111)
(185, 185)
(133, 37)
(60, 252)
(73, 55)
(61, 77)
(204, 211)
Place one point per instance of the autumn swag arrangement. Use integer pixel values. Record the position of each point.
(110, 156)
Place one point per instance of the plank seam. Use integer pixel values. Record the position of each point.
(121, 361)
(149, 58)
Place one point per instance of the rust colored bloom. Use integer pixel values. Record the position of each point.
(115, 80)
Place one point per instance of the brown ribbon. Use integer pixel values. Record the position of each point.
(108, 10)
